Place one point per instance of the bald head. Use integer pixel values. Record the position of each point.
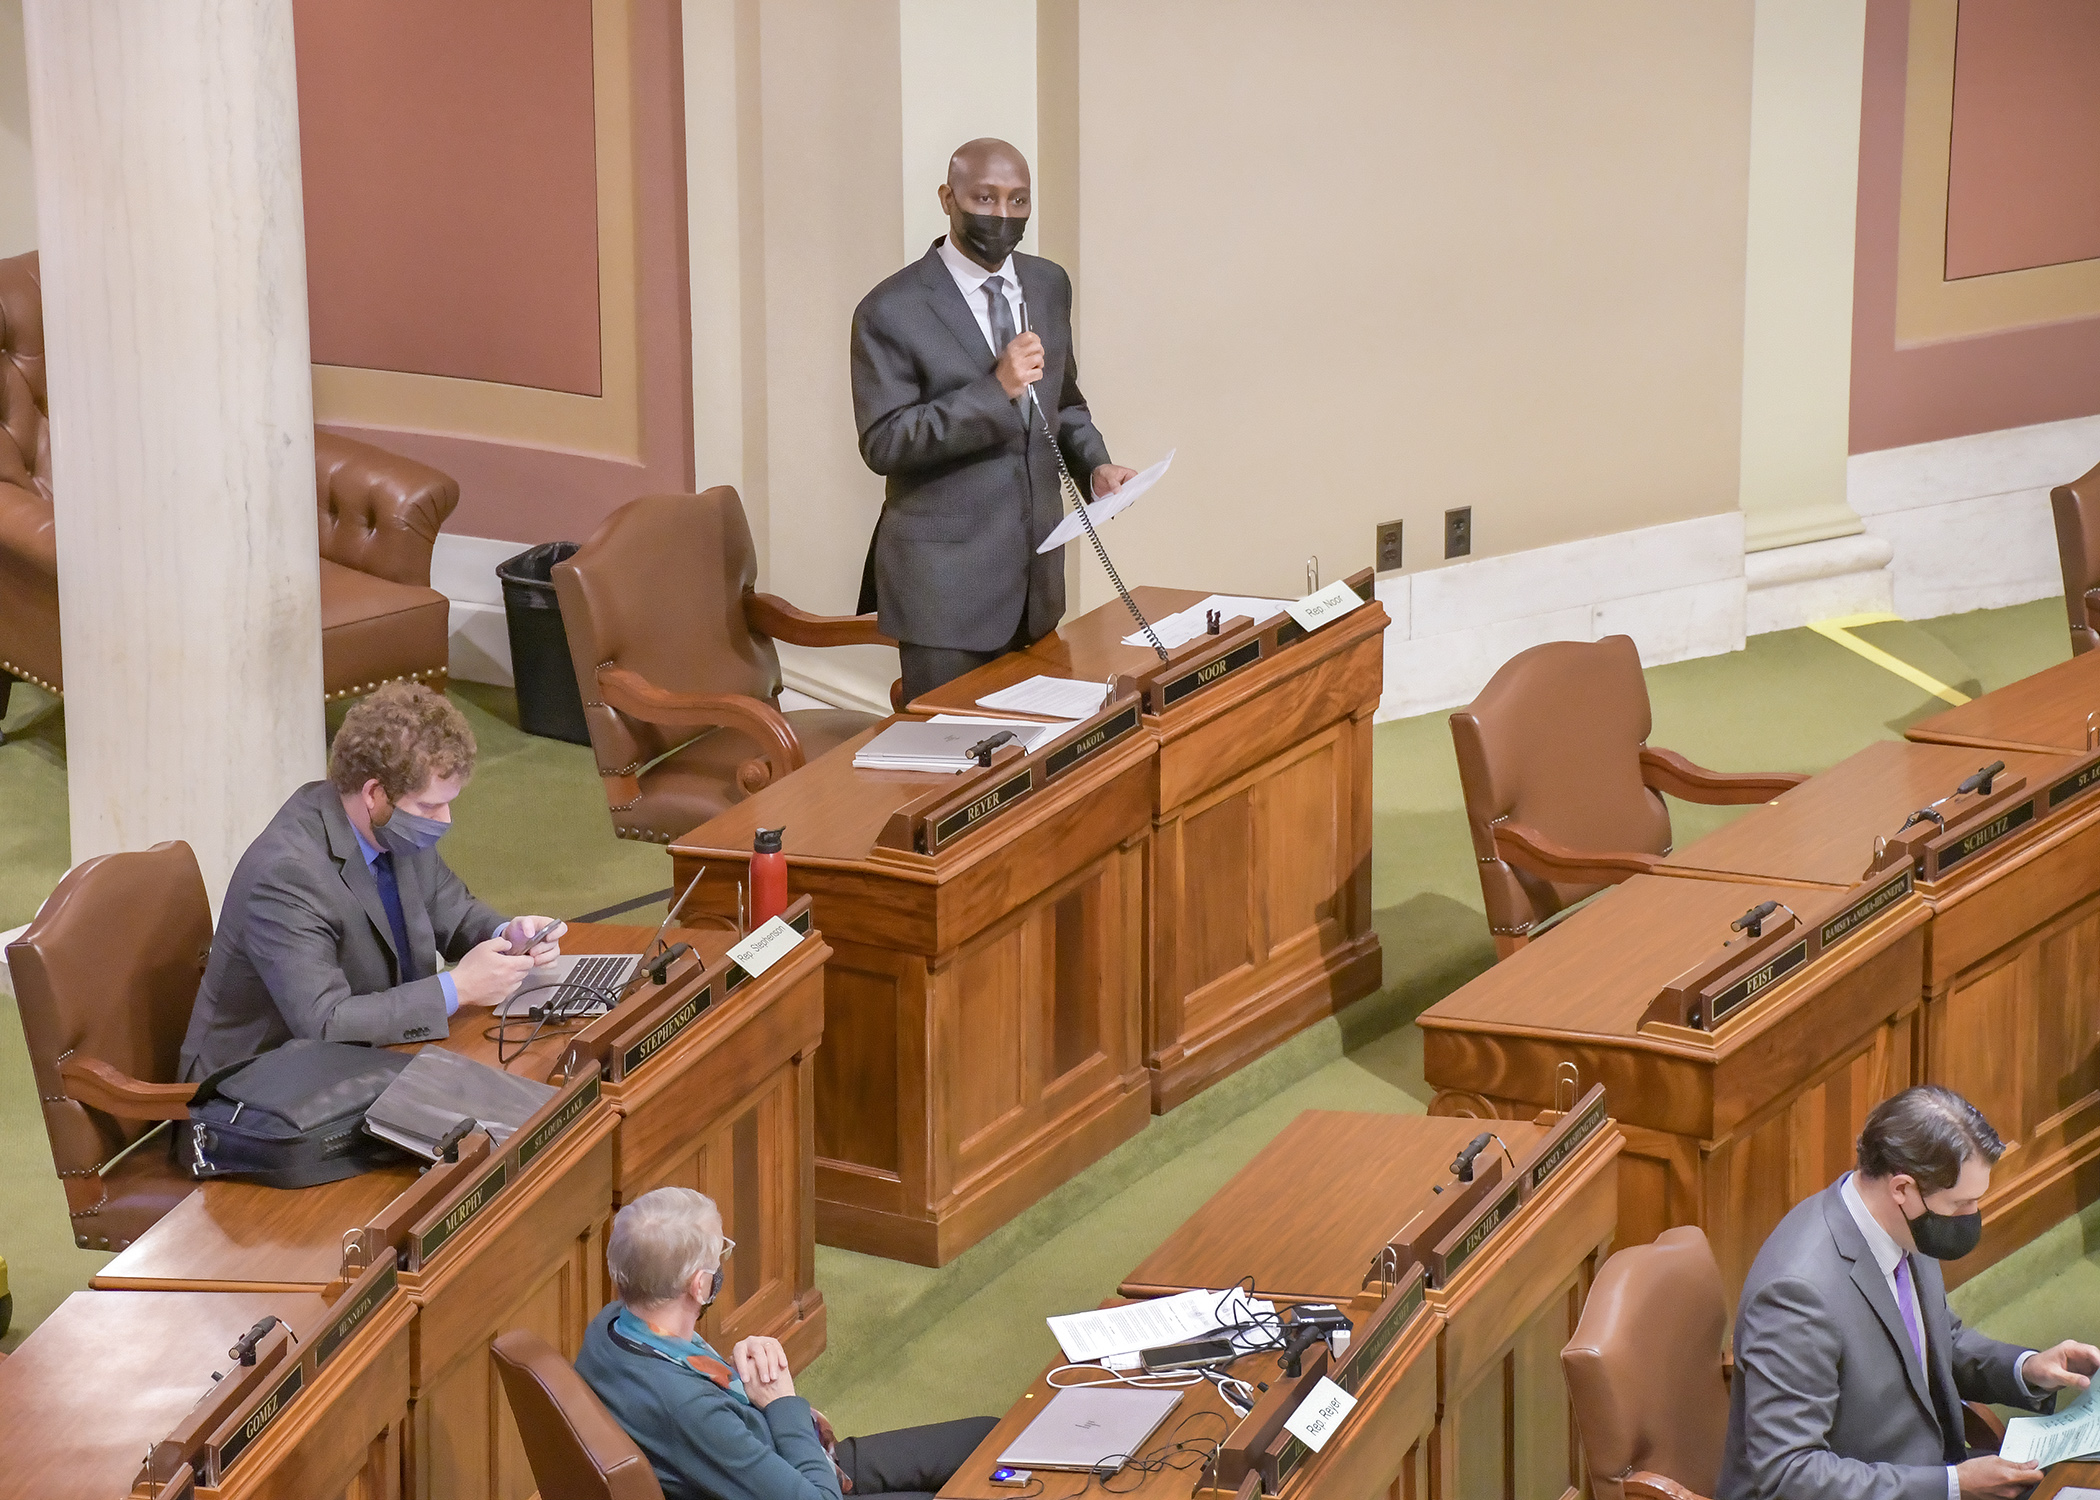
(986, 199)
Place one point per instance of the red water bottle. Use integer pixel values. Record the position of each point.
(769, 877)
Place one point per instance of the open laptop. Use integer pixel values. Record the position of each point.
(583, 985)
(1090, 1428)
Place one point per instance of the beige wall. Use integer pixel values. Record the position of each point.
(17, 182)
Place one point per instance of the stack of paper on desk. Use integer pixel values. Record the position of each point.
(1157, 1321)
(1180, 629)
(1030, 736)
(1052, 697)
(943, 744)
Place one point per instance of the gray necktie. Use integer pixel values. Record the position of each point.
(1002, 315)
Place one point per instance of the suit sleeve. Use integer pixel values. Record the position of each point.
(293, 946)
(457, 920)
(900, 429)
(1986, 1370)
(1788, 1353)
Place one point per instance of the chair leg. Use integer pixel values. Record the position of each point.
(7, 686)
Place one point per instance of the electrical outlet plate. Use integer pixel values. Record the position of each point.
(1388, 557)
(1458, 532)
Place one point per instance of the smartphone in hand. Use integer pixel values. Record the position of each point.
(550, 933)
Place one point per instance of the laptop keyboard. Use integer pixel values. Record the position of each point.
(603, 972)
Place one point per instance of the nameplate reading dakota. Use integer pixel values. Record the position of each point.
(666, 1031)
(1848, 922)
(1984, 837)
(544, 1134)
(462, 1213)
(2081, 781)
(260, 1419)
(1095, 740)
(1489, 1221)
(1210, 672)
(353, 1317)
(966, 817)
(1586, 1125)
(1748, 988)
(739, 975)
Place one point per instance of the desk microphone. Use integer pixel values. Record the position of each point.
(1981, 781)
(1079, 500)
(244, 1347)
(1462, 1164)
(1753, 920)
(658, 967)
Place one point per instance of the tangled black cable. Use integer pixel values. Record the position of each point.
(558, 1017)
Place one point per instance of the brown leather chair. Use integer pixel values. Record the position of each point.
(379, 516)
(673, 648)
(576, 1449)
(105, 978)
(1563, 792)
(2077, 507)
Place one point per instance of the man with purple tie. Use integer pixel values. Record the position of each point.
(1850, 1369)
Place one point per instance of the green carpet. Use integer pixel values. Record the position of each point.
(912, 1344)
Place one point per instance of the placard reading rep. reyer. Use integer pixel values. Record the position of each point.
(1319, 1414)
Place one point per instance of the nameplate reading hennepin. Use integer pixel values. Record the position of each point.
(260, 1419)
(1984, 837)
(544, 1134)
(1095, 740)
(463, 1212)
(1586, 1125)
(1748, 988)
(966, 817)
(1210, 672)
(353, 1317)
(1848, 922)
(2080, 781)
(666, 1031)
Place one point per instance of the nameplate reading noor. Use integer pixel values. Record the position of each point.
(1211, 671)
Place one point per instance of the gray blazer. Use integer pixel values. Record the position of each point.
(973, 489)
(1828, 1400)
(304, 948)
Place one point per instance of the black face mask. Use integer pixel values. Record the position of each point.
(1946, 1236)
(990, 238)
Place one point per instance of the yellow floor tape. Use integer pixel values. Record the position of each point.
(1840, 630)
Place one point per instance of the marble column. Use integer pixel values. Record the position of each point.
(166, 141)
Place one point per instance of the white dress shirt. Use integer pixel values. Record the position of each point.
(1887, 1253)
(970, 278)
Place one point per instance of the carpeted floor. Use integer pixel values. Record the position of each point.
(910, 1344)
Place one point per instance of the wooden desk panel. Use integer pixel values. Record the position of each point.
(1259, 896)
(2047, 711)
(981, 1005)
(111, 1373)
(2067, 1475)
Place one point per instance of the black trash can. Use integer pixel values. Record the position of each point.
(548, 703)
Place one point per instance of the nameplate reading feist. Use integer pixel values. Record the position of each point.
(1750, 986)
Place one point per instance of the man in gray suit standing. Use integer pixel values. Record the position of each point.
(943, 355)
(1850, 1369)
(336, 914)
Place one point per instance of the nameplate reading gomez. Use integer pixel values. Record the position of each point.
(765, 947)
(1319, 1414)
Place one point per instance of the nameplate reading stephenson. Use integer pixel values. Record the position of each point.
(1097, 739)
(1748, 988)
(1210, 672)
(1987, 835)
(967, 817)
(1586, 1125)
(1495, 1216)
(260, 1419)
(353, 1317)
(462, 1214)
(1848, 922)
(2080, 781)
(544, 1134)
(666, 1031)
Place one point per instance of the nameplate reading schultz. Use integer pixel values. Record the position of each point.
(1210, 672)
(1750, 986)
(353, 1317)
(462, 1214)
(1848, 922)
(1984, 837)
(966, 817)
(259, 1420)
(1099, 738)
(544, 1134)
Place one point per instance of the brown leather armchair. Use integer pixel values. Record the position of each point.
(673, 649)
(105, 978)
(1563, 792)
(2077, 507)
(379, 516)
(576, 1450)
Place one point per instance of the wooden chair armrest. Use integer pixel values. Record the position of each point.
(1667, 771)
(1728, 1367)
(1528, 849)
(96, 1084)
(1982, 1429)
(768, 614)
(1646, 1486)
(633, 694)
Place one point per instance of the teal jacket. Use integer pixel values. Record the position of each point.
(704, 1442)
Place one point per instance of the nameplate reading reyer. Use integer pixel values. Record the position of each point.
(964, 818)
(543, 1135)
(462, 1213)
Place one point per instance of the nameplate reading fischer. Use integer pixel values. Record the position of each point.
(1486, 1221)
(1984, 837)
(1210, 672)
(353, 1317)
(964, 818)
(666, 1031)
(260, 1419)
(462, 1214)
(1848, 922)
(1095, 740)
(544, 1134)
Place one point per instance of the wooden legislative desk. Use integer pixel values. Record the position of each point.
(1726, 1129)
(2047, 711)
(2064, 1476)
(110, 1374)
(2010, 982)
(1258, 875)
(517, 1240)
(981, 1003)
(1468, 1400)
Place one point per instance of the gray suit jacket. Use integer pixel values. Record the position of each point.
(304, 947)
(973, 489)
(1828, 1400)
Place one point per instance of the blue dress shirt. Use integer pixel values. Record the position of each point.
(445, 980)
